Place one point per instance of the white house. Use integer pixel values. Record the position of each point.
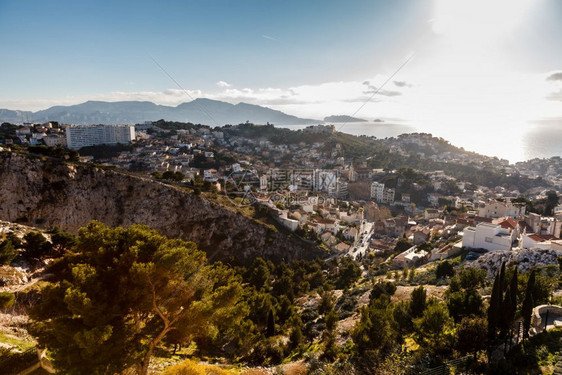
(488, 236)
(210, 175)
(410, 258)
(536, 241)
(497, 209)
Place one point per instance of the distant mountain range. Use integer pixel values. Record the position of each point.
(198, 111)
(343, 118)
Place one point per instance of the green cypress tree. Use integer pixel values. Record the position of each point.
(513, 290)
(502, 280)
(509, 305)
(527, 307)
(493, 309)
(270, 324)
(505, 311)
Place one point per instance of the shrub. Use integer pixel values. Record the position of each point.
(7, 252)
(444, 269)
(386, 287)
(6, 300)
(36, 244)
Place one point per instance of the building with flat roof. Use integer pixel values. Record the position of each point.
(488, 236)
(91, 135)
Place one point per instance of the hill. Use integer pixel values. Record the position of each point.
(54, 193)
(204, 111)
(7, 115)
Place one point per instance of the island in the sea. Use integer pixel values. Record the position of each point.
(343, 118)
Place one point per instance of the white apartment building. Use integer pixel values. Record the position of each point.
(545, 225)
(381, 194)
(488, 236)
(497, 209)
(91, 135)
(387, 195)
(377, 190)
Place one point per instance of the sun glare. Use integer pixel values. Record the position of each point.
(478, 20)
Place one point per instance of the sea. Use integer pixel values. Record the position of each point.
(541, 139)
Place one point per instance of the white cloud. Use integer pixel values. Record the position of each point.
(435, 101)
(223, 84)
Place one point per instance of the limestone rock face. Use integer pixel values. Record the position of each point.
(46, 193)
(524, 259)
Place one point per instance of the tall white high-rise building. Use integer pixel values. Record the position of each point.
(91, 135)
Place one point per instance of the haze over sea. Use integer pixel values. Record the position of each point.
(539, 140)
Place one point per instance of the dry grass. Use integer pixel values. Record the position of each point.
(255, 371)
(297, 368)
(403, 292)
(189, 367)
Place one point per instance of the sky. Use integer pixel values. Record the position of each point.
(453, 67)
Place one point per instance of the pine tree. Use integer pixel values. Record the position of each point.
(418, 302)
(7, 252)
(121, 291)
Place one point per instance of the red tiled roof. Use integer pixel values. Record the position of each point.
(543, 237)
(508, 223)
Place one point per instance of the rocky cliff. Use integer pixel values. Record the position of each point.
(523, 259)
(47, 192)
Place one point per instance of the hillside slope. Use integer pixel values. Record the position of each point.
(47, 193)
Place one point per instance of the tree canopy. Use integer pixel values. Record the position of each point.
(119, 292)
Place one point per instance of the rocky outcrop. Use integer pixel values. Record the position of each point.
(524, 259)
(47, 192)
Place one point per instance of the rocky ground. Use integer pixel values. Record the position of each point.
(523, 259)
(18, 277)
